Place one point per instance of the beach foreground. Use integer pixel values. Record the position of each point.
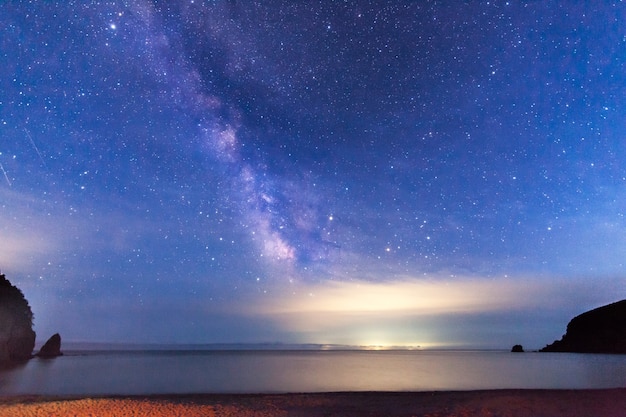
(509, 403)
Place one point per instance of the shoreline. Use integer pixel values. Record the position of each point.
(509, 402)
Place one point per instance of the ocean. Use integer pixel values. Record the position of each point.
(274, 371)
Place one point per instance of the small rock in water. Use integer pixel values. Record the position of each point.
(52, 348)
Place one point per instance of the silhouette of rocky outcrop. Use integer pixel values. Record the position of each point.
(52, 348)
(602, 330)
(517, 349)
(17, 338)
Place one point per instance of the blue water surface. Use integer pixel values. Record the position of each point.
(161, 372)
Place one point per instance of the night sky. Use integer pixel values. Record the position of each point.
(433, 173)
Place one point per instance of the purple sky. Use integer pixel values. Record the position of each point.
(420, 173)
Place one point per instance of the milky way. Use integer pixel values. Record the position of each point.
(225, 172)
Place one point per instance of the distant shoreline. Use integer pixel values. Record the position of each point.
(523, 403)
(102, 347)
(95, 346)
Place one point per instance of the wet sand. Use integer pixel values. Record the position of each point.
(504, 403)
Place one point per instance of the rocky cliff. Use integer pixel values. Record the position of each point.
(17, 338)
(602, 330)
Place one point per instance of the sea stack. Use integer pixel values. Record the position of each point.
(52, 348)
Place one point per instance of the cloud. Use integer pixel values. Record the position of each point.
(411, 295)
(422, 311)
(25, 232)
(17, 250)
(38, 234)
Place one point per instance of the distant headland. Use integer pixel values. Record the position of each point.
(602, 330)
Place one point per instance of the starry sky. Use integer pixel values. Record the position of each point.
(432, 173)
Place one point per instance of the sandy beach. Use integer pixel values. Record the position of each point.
(505, 403)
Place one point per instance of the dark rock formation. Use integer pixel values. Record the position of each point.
(602, 330)
(517, 348)
(52, 348)
(17, 338)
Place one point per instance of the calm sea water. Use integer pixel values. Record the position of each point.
(141, 372)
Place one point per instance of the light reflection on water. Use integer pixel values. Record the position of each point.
(141, 372)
